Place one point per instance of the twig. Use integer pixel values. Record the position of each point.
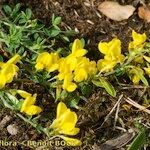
(133, 103)
(106, 118)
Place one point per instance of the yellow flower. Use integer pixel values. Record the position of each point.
(65, 121)
(28, 106)
(77, 49)
(147, 70)
(138, 40)
(135, 75)
(111, 50)
(8, 70)
(112, 55)
(48, 61)
(80, 74)
(65, 124)
(68, 84)
(92, 68)
(105, 65)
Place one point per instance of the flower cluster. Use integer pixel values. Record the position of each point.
(71, 69)
(112, 55)
(8, 70)
(65, 124)
(142, 65)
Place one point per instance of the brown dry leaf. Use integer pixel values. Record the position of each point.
(144, 13)
(115, 11)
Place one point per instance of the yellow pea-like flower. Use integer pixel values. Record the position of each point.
(105, 65)
(135, 75)
(138, 40)
(8, 70)
(77, 49)
(65, 123)
(80, 75)
(147, 70)
(48, 61)
(68, 84)
(112, 55)
(28, 106)
(111, 50)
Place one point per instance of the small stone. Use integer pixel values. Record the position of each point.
(12, 129)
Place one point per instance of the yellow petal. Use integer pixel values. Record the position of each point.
(69, 119)
(147, 70)
(14, 59)
(71, 87)
(1, 64)
(2, 81)
(103, 47)
(138, 38)
(74, 131)
(9, 70)
(105, 66)
(28, 102)
(76, 45)
(33, 110)
(135, 79)
(23, 94)
(61, 108)
(39, 66)
(68, 84)
(80, 53)
(80, 75)
(71, 141)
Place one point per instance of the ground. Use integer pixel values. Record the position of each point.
(83, 15)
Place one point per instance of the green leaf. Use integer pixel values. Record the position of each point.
(51, 33)
(97, 83)
(86, 89)
(107, 86)
(57, 21)
(15, 10)
(7, 9)
(82, 42)
(28, 13)
(138, 141)
(74, 103)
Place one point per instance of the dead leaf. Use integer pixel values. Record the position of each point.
(115, 11)
(144, 13)
(119, 141)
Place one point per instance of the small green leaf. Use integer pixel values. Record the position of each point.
(97, 83)
(86, 89)
(82, 42)
(107, 86)
(74, 103)
(52, 32)
(138, 141)
(57, 21)
(7, 9)
(28, 13)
